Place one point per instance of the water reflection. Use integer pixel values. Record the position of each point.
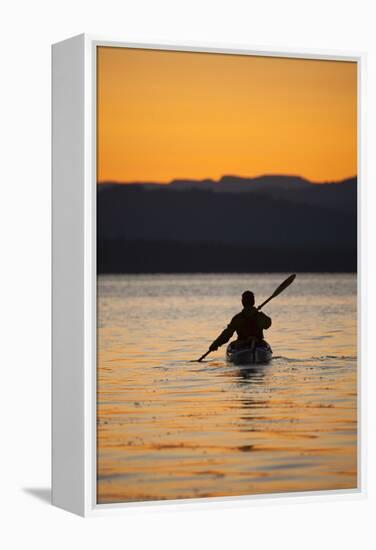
(251, 374)
(168, 428)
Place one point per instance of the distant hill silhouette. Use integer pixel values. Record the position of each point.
(269, 223)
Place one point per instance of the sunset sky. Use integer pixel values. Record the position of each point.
(165, 115)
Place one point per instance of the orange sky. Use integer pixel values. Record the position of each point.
(165, 115)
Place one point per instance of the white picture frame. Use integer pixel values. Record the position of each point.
(74, 276)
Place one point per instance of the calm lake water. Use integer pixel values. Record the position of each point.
(169, 428)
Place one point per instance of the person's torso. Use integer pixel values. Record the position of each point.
(247, 325)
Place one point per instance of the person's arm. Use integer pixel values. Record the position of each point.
(224, 336)
(263, 321)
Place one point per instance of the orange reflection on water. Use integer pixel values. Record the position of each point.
(169, 428)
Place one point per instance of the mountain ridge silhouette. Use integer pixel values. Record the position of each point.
(287, 216)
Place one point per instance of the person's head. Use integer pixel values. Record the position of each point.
(248, 298)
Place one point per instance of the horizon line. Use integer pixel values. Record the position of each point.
(216, 181)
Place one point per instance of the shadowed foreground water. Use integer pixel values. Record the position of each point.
(168, 428)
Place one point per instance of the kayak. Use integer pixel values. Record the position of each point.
(260, 353)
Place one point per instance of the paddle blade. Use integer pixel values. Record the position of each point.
(278, 290)
(201, 358)
(284, 285)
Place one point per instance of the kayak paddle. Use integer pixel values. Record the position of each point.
(201, 358)
(277, 291)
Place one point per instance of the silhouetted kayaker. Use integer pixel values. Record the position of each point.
(248, 324)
